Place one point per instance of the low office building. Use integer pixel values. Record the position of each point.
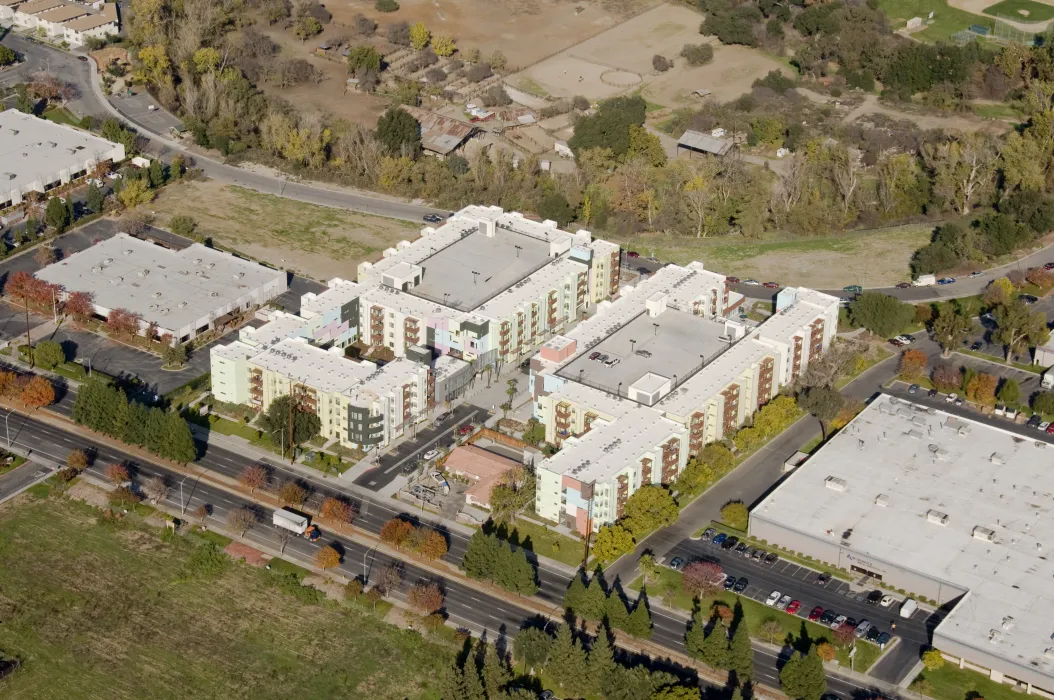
(182, 293)
(37, 155)
(633, 392)
(482, 468)
(943, 507)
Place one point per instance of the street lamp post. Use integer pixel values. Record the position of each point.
(7, 416)
(182, 503)
(365, 571)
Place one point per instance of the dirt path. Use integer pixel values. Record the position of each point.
(871, 105)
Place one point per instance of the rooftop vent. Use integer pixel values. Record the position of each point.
(1008, 623)
(997, 458)
(882, 500)
(995, 636)
(143, 273)
(835, 484)
(182, 305)
(197, 261)
(984, 533)
(937, 517)
(117, 280)
(157, 295)
(127, 251)
(108, 261)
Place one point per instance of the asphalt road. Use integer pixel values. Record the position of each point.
(21, 478)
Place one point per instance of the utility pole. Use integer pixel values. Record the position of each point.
(29, 341)
(291, 400)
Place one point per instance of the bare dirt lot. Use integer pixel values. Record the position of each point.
(524, 30)
(315, 241)
(619, 60)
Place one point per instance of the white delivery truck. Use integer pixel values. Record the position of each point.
(290, 520)
(908, 607)
(1048, 379)
(925, 281)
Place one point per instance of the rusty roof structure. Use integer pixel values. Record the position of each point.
(439, 134)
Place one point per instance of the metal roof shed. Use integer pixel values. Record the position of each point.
(703, 143)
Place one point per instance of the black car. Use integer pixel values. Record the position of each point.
(977, 345)
(741, 585)
(828, 617)
(1034, 421)
(873, 634)
(851, 622)
(433, 218)
(883, 640)
(730, 542)
(932, 393)
(822, 579)
(874, 596)
(730, 582)
(771, 558)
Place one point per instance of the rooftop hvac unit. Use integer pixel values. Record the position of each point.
(835, 484)
(995, 636)
(1049, 652)
(882, 500)
(997, 458)
(1008, 623)
(984, 533)
(937, 517)
(116, 280)
(143, 273)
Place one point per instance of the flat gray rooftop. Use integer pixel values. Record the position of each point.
(36, 150)
(675, 339)
(501, 262)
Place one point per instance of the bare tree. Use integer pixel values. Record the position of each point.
(242, 520)
(963, 167)
(155, 489)
(837, 362)
(846, 175)
(793, 184)
(284, 537)
(389, 578)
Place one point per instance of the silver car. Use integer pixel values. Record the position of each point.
(862, 628)
(783, 602)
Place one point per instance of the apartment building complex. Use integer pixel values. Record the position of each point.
(651, 378)
(59, 20)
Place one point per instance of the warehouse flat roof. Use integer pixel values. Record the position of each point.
(36, 150)
(175, 288)
(950, 498)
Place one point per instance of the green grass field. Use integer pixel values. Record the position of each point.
(1021, 11)
(103, 611)
(946, 20)
(549, 543)
(61, 115)
(954, 683)
(755, 613)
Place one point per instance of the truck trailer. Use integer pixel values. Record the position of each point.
(290, 520)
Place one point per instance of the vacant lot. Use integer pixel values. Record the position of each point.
(99, 611)
(620, 59)
(870, 259)
(318, 242)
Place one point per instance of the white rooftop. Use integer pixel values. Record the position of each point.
(36, 150)
(407, 304)
(392, 376)
(926, 464)
(281, 326)
(326, 370)
(175, 288)
(339, 292)
(530, 288)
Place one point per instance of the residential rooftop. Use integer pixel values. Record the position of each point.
(338, 293)
(282, 325)
(329, 371)
(383, 381)
(955, 500)
(174, 288)
(530, 288)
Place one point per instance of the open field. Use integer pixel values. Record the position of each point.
(1021, 10)
(874, 258)
(316, 241)
(619, 60)
(946, 20)
(105, 611)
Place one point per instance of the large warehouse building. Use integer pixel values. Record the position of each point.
(37, 155)
(185, 292)
(944, 508)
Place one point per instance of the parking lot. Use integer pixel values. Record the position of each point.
(137, 108)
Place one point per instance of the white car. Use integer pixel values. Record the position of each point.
(950, 398)
(886, 601)
(1011, 413)
(1043, 426)
(773, 598)
(430, 455)
(838, 622)
(752, 283)
(783, 602)
(906, 339)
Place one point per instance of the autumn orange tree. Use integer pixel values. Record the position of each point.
(292, 494)
(253, 477)
(79, 306)
(338, 510)
(37, 393)
(981, 389)
(116, 473)
(433, 545)
(122, 324)
(825, 650)
(425, 598)
(77, 459)
(327, 557)
(396, 532)
(912, 364)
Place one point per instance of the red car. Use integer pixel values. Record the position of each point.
(632, 254)
(732, 280)
(1049, 266)
(465, 429)
(816, 613)
(794, 607)
(771, 285)
(904, 285)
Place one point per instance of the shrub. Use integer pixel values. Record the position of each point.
(478, 72)
(697, 54)
(495, 96)
(735, 513)
(386, 6)
(775, 81)
(932, 659)
(661, 63)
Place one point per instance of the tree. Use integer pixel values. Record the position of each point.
(432, 545)
(386, 5)
(174, 354)
(338, 510)
(771, 631)
(844, 635)
(155, 489)
(253, 477)
(611, 542)
(615, 613)
(740, 653)
(735, 514)
(77, 459)
(701, 579)
(825, 650)
(7, 56)
(554, 206)
(292, 494)
(94, 198)
(880, 313)
(532, 646)
(48, 354)
(122, 324)
(135, 191)
(80, 306)
(399, 133)
(678, 692)
(425, 598)
(1043, 402)
(364, 57)
(1017, 328)
(981, 388)
(1009, 392)
(575, 593)
(241, 520)
(714, 649)
(38, 393)
(950, 328)
(306, 424)
(932, 659)
(116, 474)
(396, 532)
(639, 624)
(609, 126)
(419, 36)
(56, 215)
(327, 557)
(947, 378)
(999, 291)
(600, 662)
(802, 677)
(306, 27)
(155, 174)
(567, 663)
(443, 45)
(651, 507)
(824, 403)
(912, 364)
(183, 225)
(389, 578)
(963, 168)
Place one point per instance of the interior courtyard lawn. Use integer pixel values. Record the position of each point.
(954, 683)
(104, 611)
(755, 613)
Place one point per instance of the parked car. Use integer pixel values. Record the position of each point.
(949, 398)
(758, 555)
(931, 393)
(602, 358)
(652, 259)
(794, 606)
(828, 617)
(977, 345)
(838, 621)
(594, 355)
(914, 389)
(730, 582)
(708, 533)
(771, 558)
(677, 563)
(1011, 413)
(783, 602)
(1049, 266)
(853, 289)
(430, 455)
(632, 254)
(433, 218)
(612, 362)
(903, 285)
(896, 342)
(771, 285)
(752, 283)
(465, 429)
(822, 579)
(741, 585)
(643, 353)
(883, 640)
(741, 547)
(976, 273)
(643, 271)
(732, 280)
(874, 596)
(816, 613)
(1050, 429)
(1028, 299)
(730, 542)
(906, 339)
(862, 628)
(773, 598)
(749, 552)
(946, 280)
(873, 634)
(1034, 421)
(1044, 425)
(886, 601)
(719, 538)
(958, 401)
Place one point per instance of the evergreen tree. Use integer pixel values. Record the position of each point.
(480, 555)
(592, 607)
(179, 443)
(155, 431)
(695, 637)
(450, 682)
(567, 662)
(615, 612)
(737, 693)
(95, 199)
(156, 174)
(56, 215)
(471, 685)
(640, 619)
(522, 574)
(601, 662)
(575, 594)
(131, 423)
(532, 646)
(496, 674)
(714, 651)
(740, 653)
(802, 677)
(71, 210)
